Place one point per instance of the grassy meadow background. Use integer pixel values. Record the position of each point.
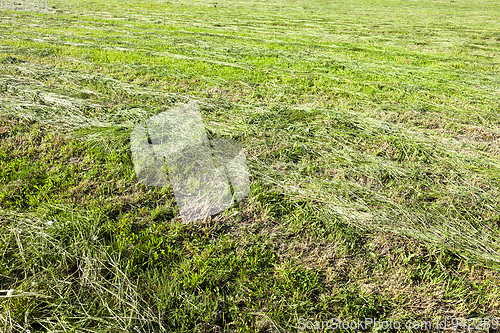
(372, 136)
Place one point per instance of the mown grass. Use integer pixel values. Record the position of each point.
(372, 138)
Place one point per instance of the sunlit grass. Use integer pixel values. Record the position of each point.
(372, 137)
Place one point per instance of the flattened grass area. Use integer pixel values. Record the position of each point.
(372, 136)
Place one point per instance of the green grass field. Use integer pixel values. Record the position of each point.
(372, 136)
